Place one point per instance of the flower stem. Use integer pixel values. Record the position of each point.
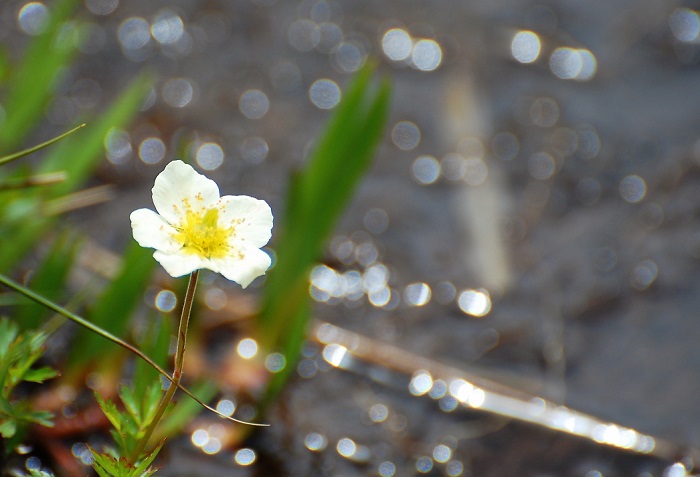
(177, 372)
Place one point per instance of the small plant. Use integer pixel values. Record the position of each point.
(129, 428)
(194, 228)
(19, 351)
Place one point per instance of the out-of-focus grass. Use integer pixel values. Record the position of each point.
(27, 86)
(317, 196)
(23, 214)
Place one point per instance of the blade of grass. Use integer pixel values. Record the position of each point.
(78, 157)
(30, 85)
(112, 310)
(156, 344)
(49, 280)
(316, 198)
(17, 155)
(86, 151)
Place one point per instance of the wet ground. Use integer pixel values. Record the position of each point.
(530, 217)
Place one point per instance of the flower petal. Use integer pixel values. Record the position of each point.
(251, 218)
(244, 270)
(152, 231)
(179, 264)
(178, 187)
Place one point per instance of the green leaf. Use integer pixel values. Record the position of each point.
(40, 473)
(24, 237)
(150, 402)
(111, 412)
(142, 470)
(5, 407)
(43, 418)
(39, 375)
(8, 428)
(31, 82)
(317, 196)
(8, 334)
(131, 404)
(77, 156)
(155, 342)
(49, 279)
(112, 310)
(100, 470)
(106, 465)
(85, 150)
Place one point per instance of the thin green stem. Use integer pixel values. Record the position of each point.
(17, 155)
(177, 371)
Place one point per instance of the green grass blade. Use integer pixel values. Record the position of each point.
(155, 342)
(113, 309)
(30, 84)
(316, 198)
(79, 155)
(26, 152)
(49, 279)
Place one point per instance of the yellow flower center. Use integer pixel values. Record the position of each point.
(201, 234)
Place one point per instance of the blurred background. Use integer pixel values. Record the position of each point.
(530, 217)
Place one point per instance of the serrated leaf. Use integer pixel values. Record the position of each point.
(39, 375)
(100, 471)
(150, 401)
(111, 412)
(44, 418)
(109, 465)
(8, 333)
(131, 404)
(142, 469)
(5, 406)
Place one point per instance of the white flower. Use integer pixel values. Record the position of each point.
(196, 228)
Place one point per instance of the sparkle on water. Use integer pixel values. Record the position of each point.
(245, 457)
(315, 441)
(33, 18)
(424, 54)
(475, 302)
(166, 301)
(247, 348)
(275, 362)
(525, 47)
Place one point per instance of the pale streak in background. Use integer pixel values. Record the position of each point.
(478, 208)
